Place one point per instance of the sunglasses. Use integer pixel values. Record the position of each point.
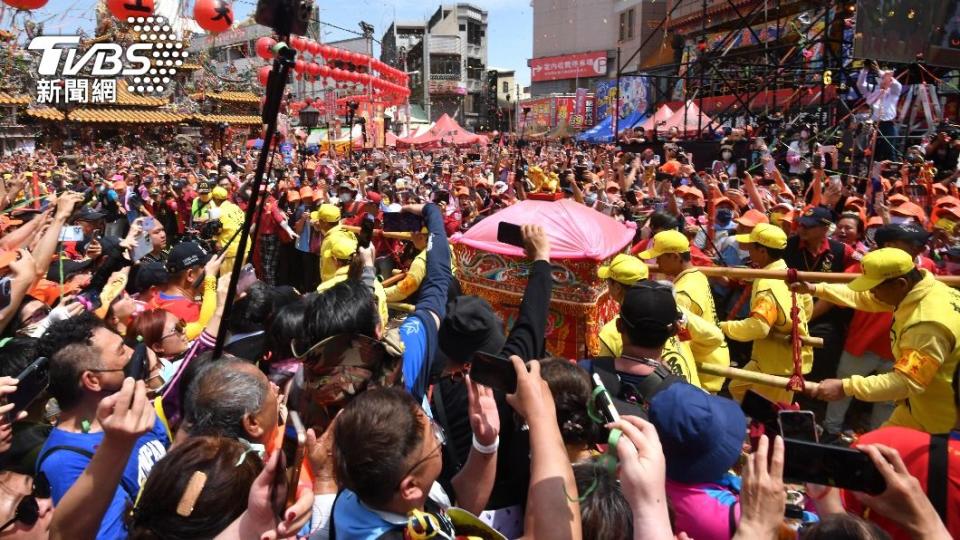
(178, 330)
(440, 437)
(38, 315)
(28, 510)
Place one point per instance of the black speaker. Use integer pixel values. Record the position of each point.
(896, 31)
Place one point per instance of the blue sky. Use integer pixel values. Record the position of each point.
(509, 33)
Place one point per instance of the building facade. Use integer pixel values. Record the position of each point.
(575, 41)
(448, 54)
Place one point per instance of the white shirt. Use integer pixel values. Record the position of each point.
(883, 102)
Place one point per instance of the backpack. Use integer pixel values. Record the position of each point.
(341, 367)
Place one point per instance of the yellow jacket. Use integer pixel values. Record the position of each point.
(231, 218)
(770, 303)
(341, 274)
(677, 353)
(328, 265)
(400, 291)
(693, 293)
(925, 339)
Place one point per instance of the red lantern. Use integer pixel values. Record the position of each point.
(213, 15)
(315, 48)
(296, 42)
(26, 4)
(299, 66)
(334, 53)
(263, 74)
(265, 46)
(314, 69)
(121, 9)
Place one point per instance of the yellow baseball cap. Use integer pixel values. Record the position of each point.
(671, 241)
(766, 235)
(219, 193)
(625, 269)
(329, 213)
(343, 246)
(881, 265)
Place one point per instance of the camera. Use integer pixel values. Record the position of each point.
(211, 229)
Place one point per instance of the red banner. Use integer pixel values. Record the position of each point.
(570, 66)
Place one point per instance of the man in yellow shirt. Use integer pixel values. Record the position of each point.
(231, 219)
(343, 248)
(925, 340)
(770, 304)
(693, 336)
(671, 249)
(400, 291)
(326, 219)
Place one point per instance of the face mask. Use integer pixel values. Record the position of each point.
(724, 216)
(589, 200)
(345, 198)
(726, 155)
(898, 220)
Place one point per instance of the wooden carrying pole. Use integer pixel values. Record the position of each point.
(809, 277)
(751, 376)
(380, 232)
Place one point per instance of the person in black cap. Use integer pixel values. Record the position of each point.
(811, 250)
(648, 318)
(186, 263)
(199, 211)
(910, 237)
(471, 326)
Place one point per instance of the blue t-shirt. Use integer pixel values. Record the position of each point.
(63, 467)
(413, 334)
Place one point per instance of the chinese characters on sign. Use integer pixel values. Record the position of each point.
(66, 91)
(571, 66)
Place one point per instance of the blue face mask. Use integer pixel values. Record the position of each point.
(724, 216)
(589, 200)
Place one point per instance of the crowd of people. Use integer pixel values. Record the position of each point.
(120, 421)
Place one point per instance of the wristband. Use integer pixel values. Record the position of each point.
(489, 449)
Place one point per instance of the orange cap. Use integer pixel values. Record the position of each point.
(910, 209)
(875, 221)
(898, 199)
(751, 218)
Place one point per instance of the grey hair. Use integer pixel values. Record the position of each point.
(221, 397)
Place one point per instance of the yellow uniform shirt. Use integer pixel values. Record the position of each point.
(231, 218)
(400, 291)
(328, 265)
(693, 293)
(925, 339)
(677, 353)
(770, 304)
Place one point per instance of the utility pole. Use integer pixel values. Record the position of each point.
(616, 108)
(516, 109)
(426, 69)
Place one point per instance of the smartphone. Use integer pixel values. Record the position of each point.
(733, 183)
(402, 222)
(248, 276)
(31, 382)
(759, 408)
(510, 233)
(800, 425)
(284, 489)
(631, 197)
(717, 167)
(495, 372)
(604, 401)
(817, 163)
(5, 290)
(71, 233)
(366, 231)
(441, 196)
(144, 245)
(741, 167)
(829, 465)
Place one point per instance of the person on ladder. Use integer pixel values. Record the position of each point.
(770, 310)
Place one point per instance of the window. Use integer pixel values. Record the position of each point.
(474, 33)
(506, 87)
(463, 28)
(626, 24)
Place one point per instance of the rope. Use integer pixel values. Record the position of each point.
(796, 383)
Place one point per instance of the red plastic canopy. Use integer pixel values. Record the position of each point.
(445, 131)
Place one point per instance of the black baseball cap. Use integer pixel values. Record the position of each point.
(907, 232)
(186, 255)
(203, 186)
(817, 216)
(650, 306)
